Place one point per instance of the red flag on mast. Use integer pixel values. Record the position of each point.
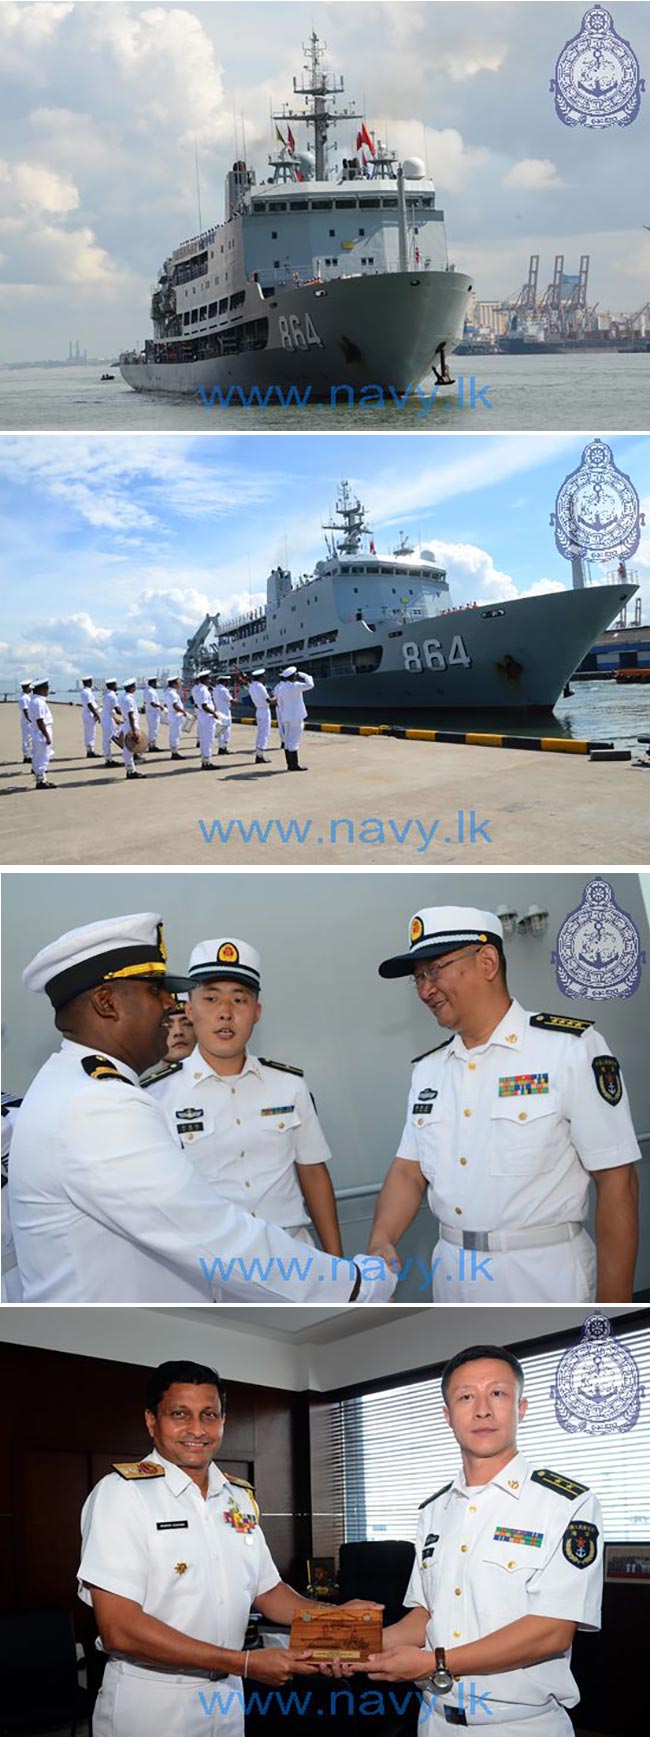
(363, 138)
(290, 140)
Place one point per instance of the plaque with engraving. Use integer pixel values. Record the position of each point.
(337, 1634)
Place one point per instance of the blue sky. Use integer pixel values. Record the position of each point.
(112, 548)
(103, 105)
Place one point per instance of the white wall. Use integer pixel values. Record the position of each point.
(321, 937)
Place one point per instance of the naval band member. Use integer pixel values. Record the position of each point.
(173, 1559)
(249, 1125)
(508, 1120)
(508, 1563)
(105, 1206)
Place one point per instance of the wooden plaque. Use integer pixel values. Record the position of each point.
(337, 1634)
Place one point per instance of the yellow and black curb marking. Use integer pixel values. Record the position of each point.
(472, 738)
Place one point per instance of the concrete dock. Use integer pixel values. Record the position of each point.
(365, 801)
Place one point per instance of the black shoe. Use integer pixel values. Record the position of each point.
(138, 759)
(91, 755)
(207, 766)
(224, 750)
(134, 774)
(261, 760)
(154, 749)
(26, 760)
(45, 785)
(177, 756)
(111, 762)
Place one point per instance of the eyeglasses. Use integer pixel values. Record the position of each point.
(430, 969)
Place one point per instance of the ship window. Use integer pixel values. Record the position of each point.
(274, 235)
(299, 204)
(321, 204)
(362, 232)
(281, 205)
(276, 264)
(237, 299)
(195, 315)
(332, 232)
(389, 204)
(259, 205)
(203, 313)
(186, 318)
(223, 305)
(212, 310)
(369, 204)
(345, 204)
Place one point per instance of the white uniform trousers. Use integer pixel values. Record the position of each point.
(262, 738)
(153, 723)
(563, 1272)
(292, 729)
(41, 753)
(176, 722)
(207, 724)
(135, 1702)
(555, 1723)
(26, 734)
(90, 725)
(225, 730)
(108, 730)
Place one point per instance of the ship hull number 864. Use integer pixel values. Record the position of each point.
(430, 655)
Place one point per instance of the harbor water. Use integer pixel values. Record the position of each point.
(586, 391)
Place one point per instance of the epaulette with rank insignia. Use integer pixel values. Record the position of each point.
(138, 1469)
(436, 1493)
(244, 1485)
(100, 1067)
(283, 1067)
(557, 1481)
(425, 1053)
(560, 1022)
(164, 1074)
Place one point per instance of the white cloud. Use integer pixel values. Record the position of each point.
(166, 57)
(34, 203)
(470, 62)
(473, 577)
(533, 174)
(27, 34)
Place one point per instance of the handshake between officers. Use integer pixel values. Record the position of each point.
(105, 1204)
(173, 1559)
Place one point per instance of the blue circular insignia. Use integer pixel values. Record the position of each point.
(597, 1389)
(597, 81)
(598, 953)
(597, 509)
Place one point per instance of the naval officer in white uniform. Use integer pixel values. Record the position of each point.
(509, 1562)
(292, 711)
(154, 709)
(262, 701)
(42, 725)
(173, 1559)
(89, 715)
(128, 707)
(105, 1206)
(176, 714)
(110, 719)
(222, 699)
(508, 1120)
(249, 1125)
(206, 718)
(25, 721)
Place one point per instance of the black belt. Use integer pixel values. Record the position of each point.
(453, 1716)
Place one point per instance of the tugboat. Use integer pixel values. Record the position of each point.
(318, 277)
(379, 632)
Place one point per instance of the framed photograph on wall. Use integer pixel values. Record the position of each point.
(628, 1562)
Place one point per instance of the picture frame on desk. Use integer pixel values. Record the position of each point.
(628, 1564)
(321, 1577)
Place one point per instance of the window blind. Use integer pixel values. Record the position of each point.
(376, 1456)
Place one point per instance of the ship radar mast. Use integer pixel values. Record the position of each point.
(347, 526)
(404, 547)
(321, 91)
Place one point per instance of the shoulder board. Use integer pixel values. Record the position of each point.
(425, 1053)
(138, 1469)
(436, 1493)
(9, 1102)
(283, 1067)
(243, 1484)
(163, 1074)
(560, 1022)
(99, 1067)
(556, 1481)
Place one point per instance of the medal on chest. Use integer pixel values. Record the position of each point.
(243, 1523)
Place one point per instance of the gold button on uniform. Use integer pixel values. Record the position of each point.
(189, 1136)
(457, 1592)
(523, 1115)
(472, 1508)
(459, 1210)
(512, 1565)
(280, 1124)
(467, 1112)
(464, 1548)
(463, 1160)
(471, 1065)
(247, 1185)
(456, 1634)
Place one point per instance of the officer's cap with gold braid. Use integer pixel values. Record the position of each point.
(444, 929)
(225, 958)
(117, 949)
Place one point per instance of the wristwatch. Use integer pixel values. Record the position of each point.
(441, 1678)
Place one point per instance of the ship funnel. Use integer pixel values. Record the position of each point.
(278, 585)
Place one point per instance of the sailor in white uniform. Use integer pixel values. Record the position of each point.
(154, 709)
(128, 706)
(248, 1125)
(90, 716)
(111, 717)
(12, 1291)
(508, 1120)
(42, 725)
(105, 1205)
(25, 723)
(509, 1562)
(292, 711)
(262, 702)
(173, 1559)
(176, 714)
(222, 698)
(206, 718)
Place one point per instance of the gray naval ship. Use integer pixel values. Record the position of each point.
(379, 632)
(318, 277)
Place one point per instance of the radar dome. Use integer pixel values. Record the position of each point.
(306, 163)
(414, 169)
(427, 555)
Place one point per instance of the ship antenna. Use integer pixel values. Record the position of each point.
(243, 134)
(198, 183)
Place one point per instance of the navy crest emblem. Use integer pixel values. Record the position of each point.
(597, 82)
(597, 509)
(597, 1390)
(598, 954)
(607, 1074)
(580, 1543)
